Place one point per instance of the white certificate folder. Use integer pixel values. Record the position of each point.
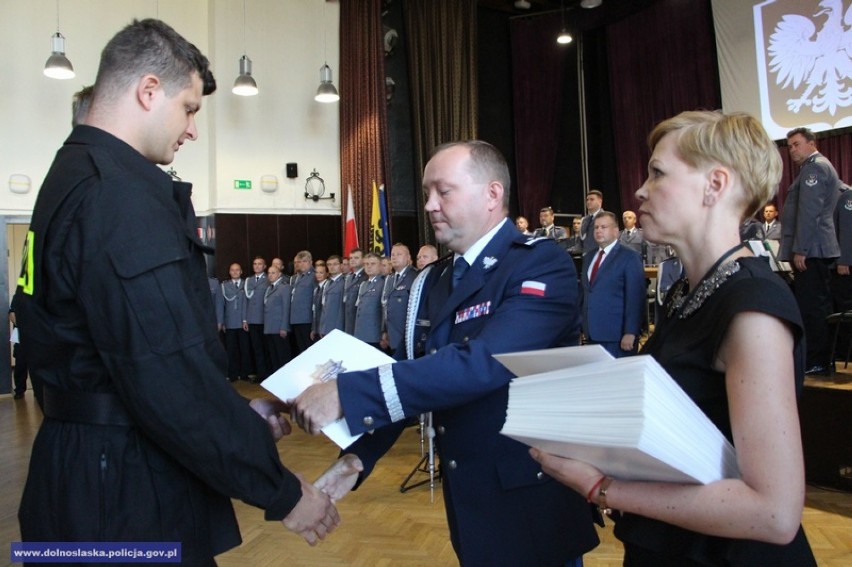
(626, 416)
(335, 353)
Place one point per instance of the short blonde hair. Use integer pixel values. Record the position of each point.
(737, 141)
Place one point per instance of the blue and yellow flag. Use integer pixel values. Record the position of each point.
(379, 233)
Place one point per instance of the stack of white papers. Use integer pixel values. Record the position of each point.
(625, 416)
(334, 354)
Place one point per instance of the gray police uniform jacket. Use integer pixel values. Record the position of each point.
(396, 305)
(772, 231)
(332, 306)
(368, 319)
(233, 304)
(276, 308)
(302, 298)
(254, 290)
(843, 224)
(633, 241)
(350, 299)
(807, 220)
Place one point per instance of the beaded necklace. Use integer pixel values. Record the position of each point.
(684, 303)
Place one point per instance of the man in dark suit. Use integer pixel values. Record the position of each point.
(771, 224)
(351, 285)
(548, 229)
(395, 300)
(501, 508)
(614, 294)
(809, 241)
(594, 206)
(302, 286)
(332, 298)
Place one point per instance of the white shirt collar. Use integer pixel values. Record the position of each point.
(608, 249)
(474, 251)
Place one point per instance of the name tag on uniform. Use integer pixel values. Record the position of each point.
(473, 312)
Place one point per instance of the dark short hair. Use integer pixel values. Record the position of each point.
(151, 46)
(485, 161)
(595, 192)
(80, 104)
(334, 257)
(806, 132)
(355, 250)
(546, 210)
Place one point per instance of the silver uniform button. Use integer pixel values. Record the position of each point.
(453, 465)
(441, 429)
(539, 475)
(433, 351)
(368, 421)
(466, 340)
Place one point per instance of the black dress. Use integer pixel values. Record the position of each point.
(686, 348)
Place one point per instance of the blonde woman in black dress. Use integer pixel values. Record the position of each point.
(731, 335)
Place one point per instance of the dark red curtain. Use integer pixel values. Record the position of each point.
(363, 109)
(662, 62)
(539, 77)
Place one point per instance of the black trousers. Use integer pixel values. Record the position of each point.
(812, 289)
(258, 351)
(279, 351)
(237, 346)
(302, 334)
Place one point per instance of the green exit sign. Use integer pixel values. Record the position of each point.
(242, 184)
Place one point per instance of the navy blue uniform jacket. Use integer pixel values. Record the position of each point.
(120, 305)
(501, 508)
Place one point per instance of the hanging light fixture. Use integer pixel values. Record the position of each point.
(564, 37)
(245, 84)
(326, 91)
(591, 3)
(58, 66)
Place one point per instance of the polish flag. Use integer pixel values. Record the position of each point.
(533, 288)
(350, 238)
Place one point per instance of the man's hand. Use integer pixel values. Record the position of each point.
(271, 409)
(384, 342)
(282, 334)
(799, 262)
(627, 342)
(317, 406)
(340, 477)
(842, 270)
(314, 516)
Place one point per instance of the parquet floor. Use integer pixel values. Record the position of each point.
(381, 526)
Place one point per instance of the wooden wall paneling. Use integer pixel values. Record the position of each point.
(231, 243)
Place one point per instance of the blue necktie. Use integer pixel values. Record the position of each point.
(460, 266)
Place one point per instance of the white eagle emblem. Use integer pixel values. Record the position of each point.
(821, 60)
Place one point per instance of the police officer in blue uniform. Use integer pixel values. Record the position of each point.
(501, 508)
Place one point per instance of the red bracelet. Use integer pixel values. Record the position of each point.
(595, 487)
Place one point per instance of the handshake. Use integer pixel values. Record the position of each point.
(315, 515)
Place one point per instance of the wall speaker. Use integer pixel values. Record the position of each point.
(292, 170)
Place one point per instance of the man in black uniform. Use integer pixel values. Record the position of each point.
(143, 439)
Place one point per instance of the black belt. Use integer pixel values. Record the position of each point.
(93, 408)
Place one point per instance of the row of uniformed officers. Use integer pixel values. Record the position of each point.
(268, 318)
